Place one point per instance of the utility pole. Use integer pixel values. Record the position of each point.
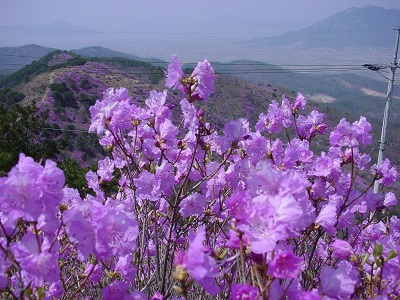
(382, 142)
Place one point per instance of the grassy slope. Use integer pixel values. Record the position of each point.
(232, 99)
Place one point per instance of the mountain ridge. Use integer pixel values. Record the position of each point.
(18, 57)
(66, 85)
(367, 26)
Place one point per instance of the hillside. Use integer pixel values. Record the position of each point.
(14, 58)
(367, 26)
(78, 81)
(339, 95)
(67, 84)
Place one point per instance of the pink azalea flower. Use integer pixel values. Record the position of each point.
(117, 290)
(351, 135)
(80, 230)
(299, 103)
(38, 263)
(285, 265)
(235, 131)
(157, 296)
(386, 172)
(116, 233)
(106, 169)
(327, 218)
(96, 272)
(390, 199)
(30, 190)
(341, 249)
(175, 74)
(189, 112)
(337, 284)
(234, 240)
(148, 186)
(193, 205)
(198, 263)
(308, 126)
(125, 267)
(244, 291)
(205, 76)
(272, 122)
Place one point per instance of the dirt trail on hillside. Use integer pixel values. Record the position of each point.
(51, 80)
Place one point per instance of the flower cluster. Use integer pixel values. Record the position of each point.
(177, 211)
(60, 58)
(198, 86)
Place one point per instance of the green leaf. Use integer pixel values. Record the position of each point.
(392, 254)
(378, 250)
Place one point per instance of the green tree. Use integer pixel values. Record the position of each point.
(24, 130)
(75, 175)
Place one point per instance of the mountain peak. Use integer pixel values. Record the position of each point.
(366, 26)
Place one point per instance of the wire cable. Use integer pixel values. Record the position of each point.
(190, 33)
(62, 129)
(121, 59)
(268, 69)
(27, 56)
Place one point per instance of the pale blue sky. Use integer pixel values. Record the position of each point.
(162, 14)
(158, 28)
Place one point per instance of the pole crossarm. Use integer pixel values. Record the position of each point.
(393, 66)
(375, 67)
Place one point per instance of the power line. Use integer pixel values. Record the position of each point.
(191, 33)
(215, 64)
(6, 64)
(222, 68)
(385, 77)
(61, 129)
(232, 72)
(270, 68)
(275, 69)
(13, 55)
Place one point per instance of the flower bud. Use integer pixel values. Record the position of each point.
(179, 273)
(62, 207)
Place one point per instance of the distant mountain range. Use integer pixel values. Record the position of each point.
(14, 58)
(244, 25)
(364, 31)
(367, 26)
(97, 51)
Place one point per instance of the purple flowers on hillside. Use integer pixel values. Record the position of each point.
(60, 58)
(184, 211)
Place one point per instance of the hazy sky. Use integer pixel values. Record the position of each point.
(131, 14)
(159, 28)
